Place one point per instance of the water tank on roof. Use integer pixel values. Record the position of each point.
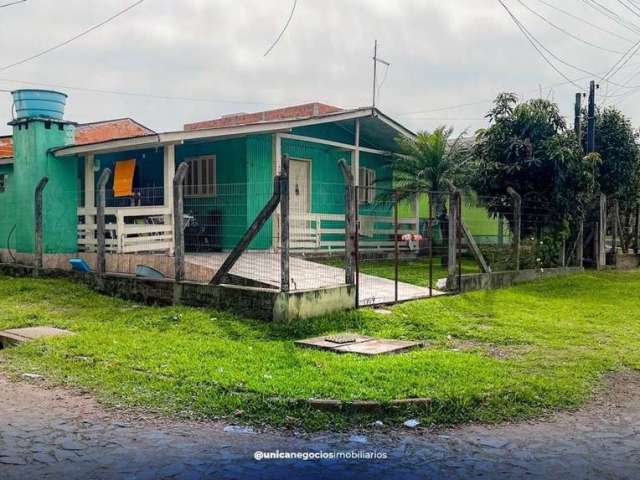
(30, 103)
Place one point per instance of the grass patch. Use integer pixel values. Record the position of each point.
(414, 271)
(561, 336)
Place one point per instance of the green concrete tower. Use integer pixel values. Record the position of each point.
(33, 138)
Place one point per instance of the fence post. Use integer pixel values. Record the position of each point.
(349, 222)
(615, 232)
(452, 246)
(39, 226)
(100, 224)
(637, 232)
(580, 244)
(284, 225)
(178, 220)
(517, 224)
(396, 250)
(430, 244)
(601, 258)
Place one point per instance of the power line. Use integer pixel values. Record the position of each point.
(286, 25)
(607, 12)
(532, 41)
(566, 32)
(72, 39)
(632, 8)
(132, 94)
(586, 22)
(12, 3)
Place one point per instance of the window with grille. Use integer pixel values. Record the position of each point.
(367, 191)
(3, 182)
(201, 177)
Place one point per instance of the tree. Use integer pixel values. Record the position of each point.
(618, 174)
(427, 163)
(528, 147)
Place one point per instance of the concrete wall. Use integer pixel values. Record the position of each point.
(494, 280)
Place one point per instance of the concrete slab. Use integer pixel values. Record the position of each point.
(378, 347)
(20, 335)
(325, 343)
(361, 344)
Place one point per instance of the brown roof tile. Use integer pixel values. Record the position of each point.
(296, 111)
(92, 133)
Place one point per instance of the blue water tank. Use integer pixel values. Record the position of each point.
(31, 103)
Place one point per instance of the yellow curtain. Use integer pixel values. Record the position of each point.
(123, 179)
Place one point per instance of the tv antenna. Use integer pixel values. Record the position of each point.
(376, 60)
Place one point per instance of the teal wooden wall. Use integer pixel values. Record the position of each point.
(260, 180)
(231, 195)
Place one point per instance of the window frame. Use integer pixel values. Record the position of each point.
(199, 166)
(367, 181)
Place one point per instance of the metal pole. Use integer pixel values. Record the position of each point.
(395, 242)
(375, 72)
(637, 235)
(356, 194)
(430, 234)
(178, 220)
(517, 224)
(100, 223)
(285, 278)
(591, 120)
(39, 226)
(459, 237)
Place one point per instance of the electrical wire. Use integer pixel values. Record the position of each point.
(566, 32)
(286, 25)
(586, 22)
(12, 3)
(72, 39)
(631, 8)
(532, 41)
(607, 12)
(132, 94)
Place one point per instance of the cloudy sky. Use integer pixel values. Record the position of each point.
(208, 56)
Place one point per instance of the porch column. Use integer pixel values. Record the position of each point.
(277, 168)
(355, 164)
(169, 173)
(89, 186)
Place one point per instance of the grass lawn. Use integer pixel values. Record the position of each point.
(414, 271)
(491, 356)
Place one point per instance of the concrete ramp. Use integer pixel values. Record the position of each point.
(263, 268)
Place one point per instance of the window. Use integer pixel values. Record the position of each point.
(367, 191)
(201, 177)
(3, 182)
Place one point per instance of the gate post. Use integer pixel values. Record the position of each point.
(517, 224)
(453, 234)
(580, 244)
(284, 225)
(100, 227)
(39, 227)
(601, 257)
(178, 220)
(349, 222)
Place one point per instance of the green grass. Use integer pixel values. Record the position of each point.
(558, 337)
(414, 271)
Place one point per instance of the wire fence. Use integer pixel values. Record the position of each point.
(404, 245)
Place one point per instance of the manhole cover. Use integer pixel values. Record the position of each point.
(341, 339)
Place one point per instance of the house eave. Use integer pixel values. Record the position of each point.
(177, 137)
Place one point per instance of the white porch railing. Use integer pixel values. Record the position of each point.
(136, 230)
(309, 232)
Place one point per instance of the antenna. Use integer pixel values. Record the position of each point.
(376, 60)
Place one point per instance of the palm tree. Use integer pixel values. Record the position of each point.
(427, 163)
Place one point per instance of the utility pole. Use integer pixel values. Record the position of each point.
(376, 60)
(591, 118)
(577, 117)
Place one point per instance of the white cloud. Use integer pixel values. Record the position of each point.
(442, 54)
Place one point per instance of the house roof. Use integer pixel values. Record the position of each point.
(93, 132)
(374, 125)
(287, 113)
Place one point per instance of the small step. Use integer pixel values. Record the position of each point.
(16, 336)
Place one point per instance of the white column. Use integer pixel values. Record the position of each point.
(89, 181)
(355, 164)
(89, 193)
(277, 168)
(169, 172)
